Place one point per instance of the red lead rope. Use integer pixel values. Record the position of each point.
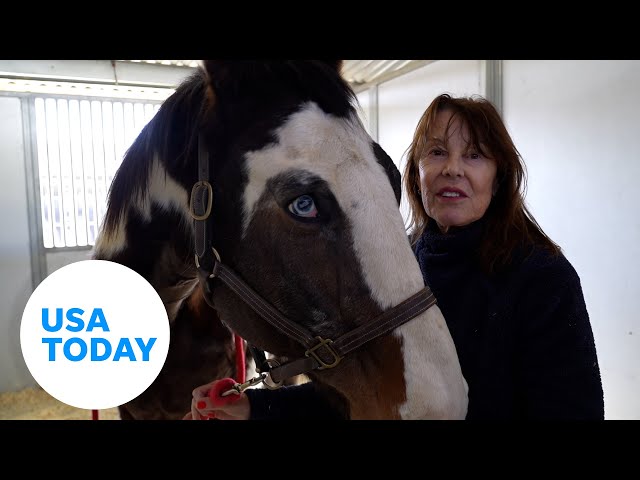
(241, 370)
(218, 390)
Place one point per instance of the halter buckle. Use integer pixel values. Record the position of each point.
(194, 191)
(268, 381)
(327, 344)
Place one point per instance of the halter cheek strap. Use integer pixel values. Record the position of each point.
(200, 207)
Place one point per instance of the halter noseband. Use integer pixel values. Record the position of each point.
(320, 353)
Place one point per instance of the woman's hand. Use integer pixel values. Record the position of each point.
(207, 403)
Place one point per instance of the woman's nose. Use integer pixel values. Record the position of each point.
(453, 166)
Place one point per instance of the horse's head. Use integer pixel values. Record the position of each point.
(305, 210)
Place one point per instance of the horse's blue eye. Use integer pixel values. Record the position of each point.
(304, 206)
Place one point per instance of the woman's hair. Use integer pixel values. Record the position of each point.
(509, 224)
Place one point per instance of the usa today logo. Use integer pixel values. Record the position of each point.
(94, 334)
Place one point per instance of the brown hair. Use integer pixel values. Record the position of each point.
(509, 224)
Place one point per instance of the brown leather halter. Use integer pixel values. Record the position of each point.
(320, 353)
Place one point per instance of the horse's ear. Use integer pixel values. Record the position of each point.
(221, 73)
(218, 71)
(337, 64)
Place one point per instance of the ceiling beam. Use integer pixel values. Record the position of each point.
(385, 77)
(96, 71)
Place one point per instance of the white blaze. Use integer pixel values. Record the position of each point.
(340, 152)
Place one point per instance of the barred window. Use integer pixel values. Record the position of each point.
(80, 145)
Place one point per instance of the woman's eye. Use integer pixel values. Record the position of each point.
(304, 206)
(436, 152)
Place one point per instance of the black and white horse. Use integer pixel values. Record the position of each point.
(256, 189)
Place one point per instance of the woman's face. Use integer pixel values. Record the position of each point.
(456, 181)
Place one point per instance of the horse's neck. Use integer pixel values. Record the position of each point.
(153, 237)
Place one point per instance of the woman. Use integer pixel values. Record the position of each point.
(512, 301)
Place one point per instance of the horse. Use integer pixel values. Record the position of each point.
(256, 204)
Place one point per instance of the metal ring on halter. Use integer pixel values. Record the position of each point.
(271, 385)
(215, 252)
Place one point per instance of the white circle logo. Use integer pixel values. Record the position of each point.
(94, 334)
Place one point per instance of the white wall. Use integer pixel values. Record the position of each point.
(60, 258)
(403, 100)
(15, 256)
(576, 125)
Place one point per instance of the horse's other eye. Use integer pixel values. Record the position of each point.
(304, 206)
